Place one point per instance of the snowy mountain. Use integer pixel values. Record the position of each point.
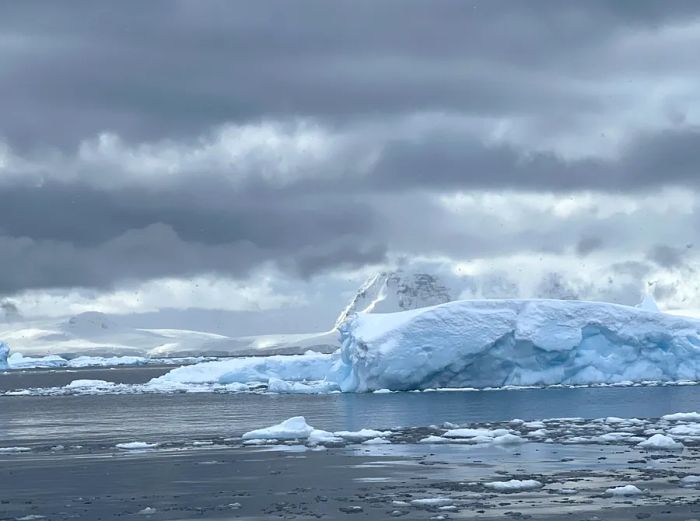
(389, 292)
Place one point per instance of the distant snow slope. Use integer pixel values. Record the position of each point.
(97, 335)
(486, 343)
(393, 291)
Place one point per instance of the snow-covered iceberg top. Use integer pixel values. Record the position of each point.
(492, 343)
(476, 344)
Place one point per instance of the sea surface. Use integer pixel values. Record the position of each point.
(46, 420)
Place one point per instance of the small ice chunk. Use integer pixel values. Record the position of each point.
(474, 433)
(627, 490)
(432, 502)
(136, 445)
(376, 441)
(294, 428)
(508, 439)
(660, 441)
(690, 481)
(15, 449)
(682, 416)
(362, 434)
(147, 511)
(514, 485)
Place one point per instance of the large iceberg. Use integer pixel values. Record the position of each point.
(484, 343)
(493, 343)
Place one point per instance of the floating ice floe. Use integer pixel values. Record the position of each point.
(514, 485)
(626, 490)
(661, 441)
(690, 481)
(136, 445)
(432, 502)
(19, 361)
(89, 384)
(294, 428)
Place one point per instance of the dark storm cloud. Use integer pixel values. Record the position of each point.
(163, 69)
(168, 74)
(668, 256)
(72, 235)
(448, 162)
(588, 245)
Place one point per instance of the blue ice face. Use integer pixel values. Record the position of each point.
(4, 353)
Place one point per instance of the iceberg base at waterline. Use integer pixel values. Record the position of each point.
(478, 344)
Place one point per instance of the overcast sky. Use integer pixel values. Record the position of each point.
(268, 155)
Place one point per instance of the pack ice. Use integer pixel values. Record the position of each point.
(484, 343)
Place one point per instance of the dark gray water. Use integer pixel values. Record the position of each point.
(28, 420)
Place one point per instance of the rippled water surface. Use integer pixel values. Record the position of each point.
(74, 419)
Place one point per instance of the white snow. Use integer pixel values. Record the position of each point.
(294, 428)
(136, 445)
(648, 303)
(627, 490)
(514, 485)
(660, 441)
(393, 291)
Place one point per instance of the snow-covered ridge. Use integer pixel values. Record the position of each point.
(491, 343)
(389, 292)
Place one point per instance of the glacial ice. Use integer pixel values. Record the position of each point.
(478, 344)
(4, 353)
(493, 343)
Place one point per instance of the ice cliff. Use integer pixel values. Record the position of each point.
(4, 353)
(491, 343)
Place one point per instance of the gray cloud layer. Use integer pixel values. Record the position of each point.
(410, 100)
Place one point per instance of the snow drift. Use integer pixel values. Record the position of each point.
(485, 343)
